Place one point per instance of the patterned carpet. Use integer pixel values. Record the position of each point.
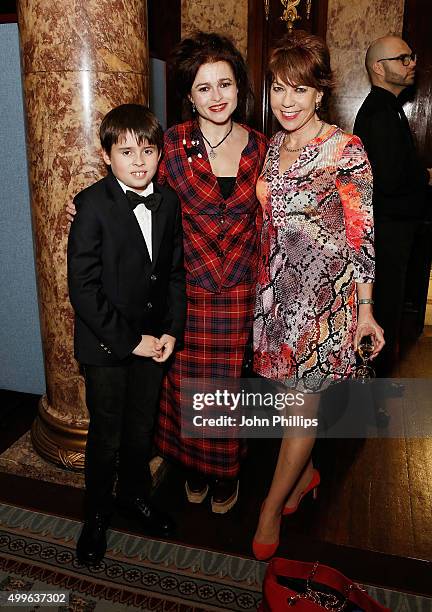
(37, 553)
(137, 573)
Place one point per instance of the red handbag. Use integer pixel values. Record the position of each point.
(310, 587)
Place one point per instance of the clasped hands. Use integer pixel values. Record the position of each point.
(159, 349)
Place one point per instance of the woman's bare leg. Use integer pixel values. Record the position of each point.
(292, 474)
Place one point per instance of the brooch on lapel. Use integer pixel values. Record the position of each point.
(192, 149)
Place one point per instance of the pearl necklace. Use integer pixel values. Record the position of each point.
(305, 145)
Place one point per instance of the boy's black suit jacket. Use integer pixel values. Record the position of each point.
(117, 292)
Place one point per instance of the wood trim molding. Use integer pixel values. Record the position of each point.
(257, 56)
(262, 33)
(8, 11)
(8, 18)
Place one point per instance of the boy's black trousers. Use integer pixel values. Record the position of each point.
(122, 402)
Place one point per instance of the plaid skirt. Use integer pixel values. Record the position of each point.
(217, 330)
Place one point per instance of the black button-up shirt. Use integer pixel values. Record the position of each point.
(400, 180)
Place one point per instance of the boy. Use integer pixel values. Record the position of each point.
(127, 287)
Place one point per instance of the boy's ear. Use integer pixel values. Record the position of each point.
(106, 157)
(159, 155)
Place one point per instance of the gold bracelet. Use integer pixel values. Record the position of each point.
(366, 301)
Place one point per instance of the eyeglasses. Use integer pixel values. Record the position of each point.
(405, 58)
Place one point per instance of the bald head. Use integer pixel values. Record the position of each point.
(390, 73)
(382, 47)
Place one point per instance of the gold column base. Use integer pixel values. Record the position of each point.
(64, 445)
(56, 441)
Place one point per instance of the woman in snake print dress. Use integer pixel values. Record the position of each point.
(317, 260)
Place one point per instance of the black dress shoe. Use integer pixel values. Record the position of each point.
(395, 389)
(153, 520)
(92, 543)
(382, 418)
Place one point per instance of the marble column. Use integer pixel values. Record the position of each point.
(80, 58)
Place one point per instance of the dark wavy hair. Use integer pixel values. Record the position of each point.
(206, 48)
(301, 58)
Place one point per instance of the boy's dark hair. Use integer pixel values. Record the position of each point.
(134, 118)
(206, 48)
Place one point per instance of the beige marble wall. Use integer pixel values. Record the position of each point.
(79, 59)
(351, 27)
(227, 17)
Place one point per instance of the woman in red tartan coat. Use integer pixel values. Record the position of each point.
(213, 164)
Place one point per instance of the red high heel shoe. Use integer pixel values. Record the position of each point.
(264, 551)
(312, 486)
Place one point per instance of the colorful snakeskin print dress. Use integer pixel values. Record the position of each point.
(316, 244)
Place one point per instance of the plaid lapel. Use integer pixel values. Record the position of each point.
(205, 183)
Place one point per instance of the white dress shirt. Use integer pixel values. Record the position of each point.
(143, 214)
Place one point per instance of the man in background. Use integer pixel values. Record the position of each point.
(400, 183)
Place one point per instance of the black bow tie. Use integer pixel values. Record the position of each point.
(151, 201)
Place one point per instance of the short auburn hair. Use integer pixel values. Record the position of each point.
(134, 118)
(301, 58)
(207, 48)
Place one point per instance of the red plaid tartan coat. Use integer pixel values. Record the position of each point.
(221, 237)
(221, 251)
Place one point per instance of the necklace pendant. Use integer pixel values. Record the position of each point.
(212, 153)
